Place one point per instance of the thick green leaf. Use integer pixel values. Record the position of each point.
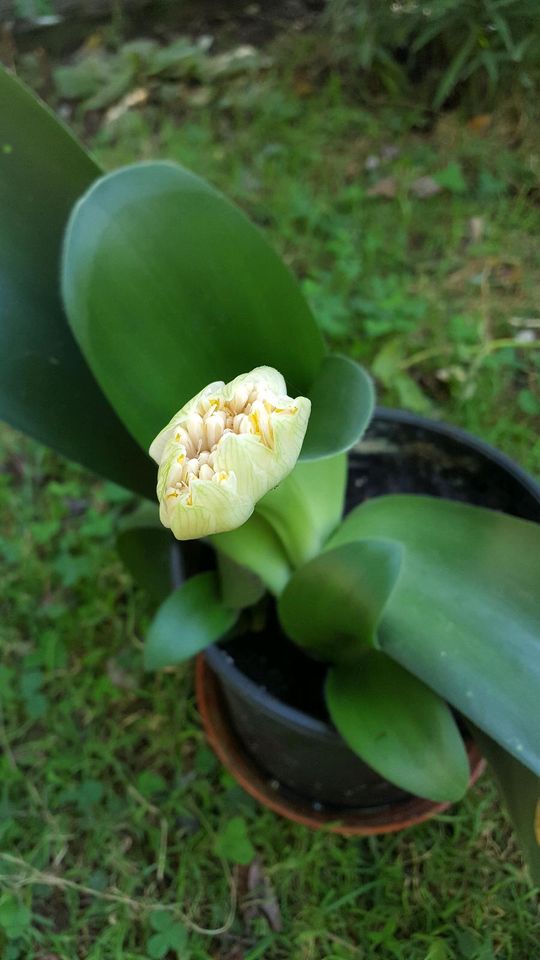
(191, 618)
(240, 587)
(342, 401)
(46, 388)
(397, 725)
(520, 789)
(169, 287)
(307, 506)
(145, 549)
(465, 614)
(333, 604)
(256, 546)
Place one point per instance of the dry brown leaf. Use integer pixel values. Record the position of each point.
(259, 885)
(387, 188)
(132, 99)
(480, 124)
(256, 895)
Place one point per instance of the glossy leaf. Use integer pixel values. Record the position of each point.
(342, 402)
(46, 387)
(307, 506)
(398, 726)
(168, 287)
(240, 587)
(520, 789)
(145, 548)
(256, 546)
(333, 604)
(465, 614)
(191, 618)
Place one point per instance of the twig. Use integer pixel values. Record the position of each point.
(41, 877)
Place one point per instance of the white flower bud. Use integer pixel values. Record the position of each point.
(224, 450)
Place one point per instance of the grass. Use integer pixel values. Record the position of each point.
(115, 818)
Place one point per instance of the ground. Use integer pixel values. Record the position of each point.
(414, 237)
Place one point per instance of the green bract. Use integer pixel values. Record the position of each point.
(170, 293)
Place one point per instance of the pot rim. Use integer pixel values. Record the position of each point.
(348, 822)
(223, 665)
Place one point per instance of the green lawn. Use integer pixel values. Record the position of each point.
(115, 818)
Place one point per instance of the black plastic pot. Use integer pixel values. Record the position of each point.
(401, 453)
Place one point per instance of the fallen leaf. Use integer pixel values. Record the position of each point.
(387, 187)
(480, 124)
(425, 187)
(132, 99)
(259, 899)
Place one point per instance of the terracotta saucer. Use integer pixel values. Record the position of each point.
(362, 822)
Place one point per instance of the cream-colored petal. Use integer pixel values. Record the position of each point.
(261, 378)
(157, 447)
(251, 462)
(171, 467)
(289, 430)
(214, 508)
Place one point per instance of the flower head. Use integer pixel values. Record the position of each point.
(224, 450)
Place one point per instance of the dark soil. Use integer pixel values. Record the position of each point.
(393, 458)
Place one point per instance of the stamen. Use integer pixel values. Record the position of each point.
(249, 411)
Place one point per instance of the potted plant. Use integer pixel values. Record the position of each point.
(418, 615)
